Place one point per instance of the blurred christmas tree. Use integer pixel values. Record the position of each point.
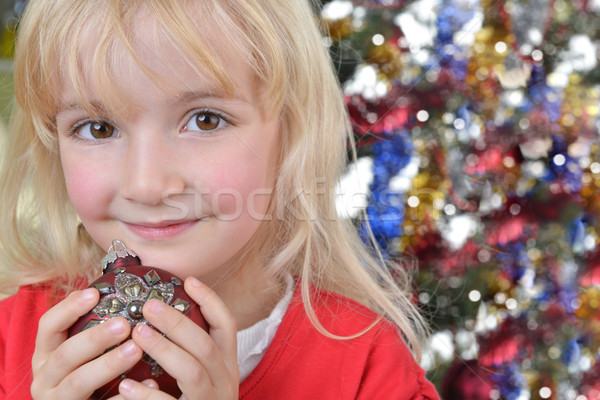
(477, 121)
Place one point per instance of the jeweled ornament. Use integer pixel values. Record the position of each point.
(124, 287)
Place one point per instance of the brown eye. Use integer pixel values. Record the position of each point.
(205, 121)
(101, 130)
(95, 130)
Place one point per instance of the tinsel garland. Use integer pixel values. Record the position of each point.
(500, 111)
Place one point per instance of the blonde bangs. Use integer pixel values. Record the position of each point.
(41, 74)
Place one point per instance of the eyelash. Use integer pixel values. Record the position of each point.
(222, 122)
(74, 132)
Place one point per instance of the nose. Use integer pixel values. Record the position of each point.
(151, 170)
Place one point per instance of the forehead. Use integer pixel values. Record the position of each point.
(109, 63)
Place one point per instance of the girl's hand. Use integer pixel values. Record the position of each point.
(73, 368)
(204, 365)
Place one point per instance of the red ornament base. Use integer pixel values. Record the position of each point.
(124, 288)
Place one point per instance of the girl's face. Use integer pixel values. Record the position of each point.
(182, 176)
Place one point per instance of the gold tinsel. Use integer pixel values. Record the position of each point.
(387, 58)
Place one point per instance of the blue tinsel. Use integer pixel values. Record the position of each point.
(514, 260)
(509, 381)
(542, 95)
(568, 173)
(386, 207)
(451, 18)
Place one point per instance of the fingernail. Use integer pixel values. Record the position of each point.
(156, 306)
(126, 385)
(128, 349)
(88, 294)
(144, 330)
(116, 326)
(150, 383)
(194, 282)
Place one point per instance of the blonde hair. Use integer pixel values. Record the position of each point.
(40, 236)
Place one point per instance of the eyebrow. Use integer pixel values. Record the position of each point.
(194, 95)
(183, 98)
(96, 106)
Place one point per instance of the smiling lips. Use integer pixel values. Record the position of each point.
(161, 230)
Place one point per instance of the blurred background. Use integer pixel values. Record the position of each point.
(477, 129)
(479, 163)
(10, 10)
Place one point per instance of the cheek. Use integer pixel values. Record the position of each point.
(87, 189)
(243, 187)
(237, 192)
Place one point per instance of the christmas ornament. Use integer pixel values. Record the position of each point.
(124, 288)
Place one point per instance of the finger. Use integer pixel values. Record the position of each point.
(132, 390)
(98, 372)
(188, 336)
(193, 378)
(223, 328)
(84, 347)
(151, 383)
(55, 322)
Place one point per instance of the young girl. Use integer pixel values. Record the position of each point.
(208, 136)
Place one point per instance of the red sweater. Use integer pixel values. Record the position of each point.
(299, 364)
